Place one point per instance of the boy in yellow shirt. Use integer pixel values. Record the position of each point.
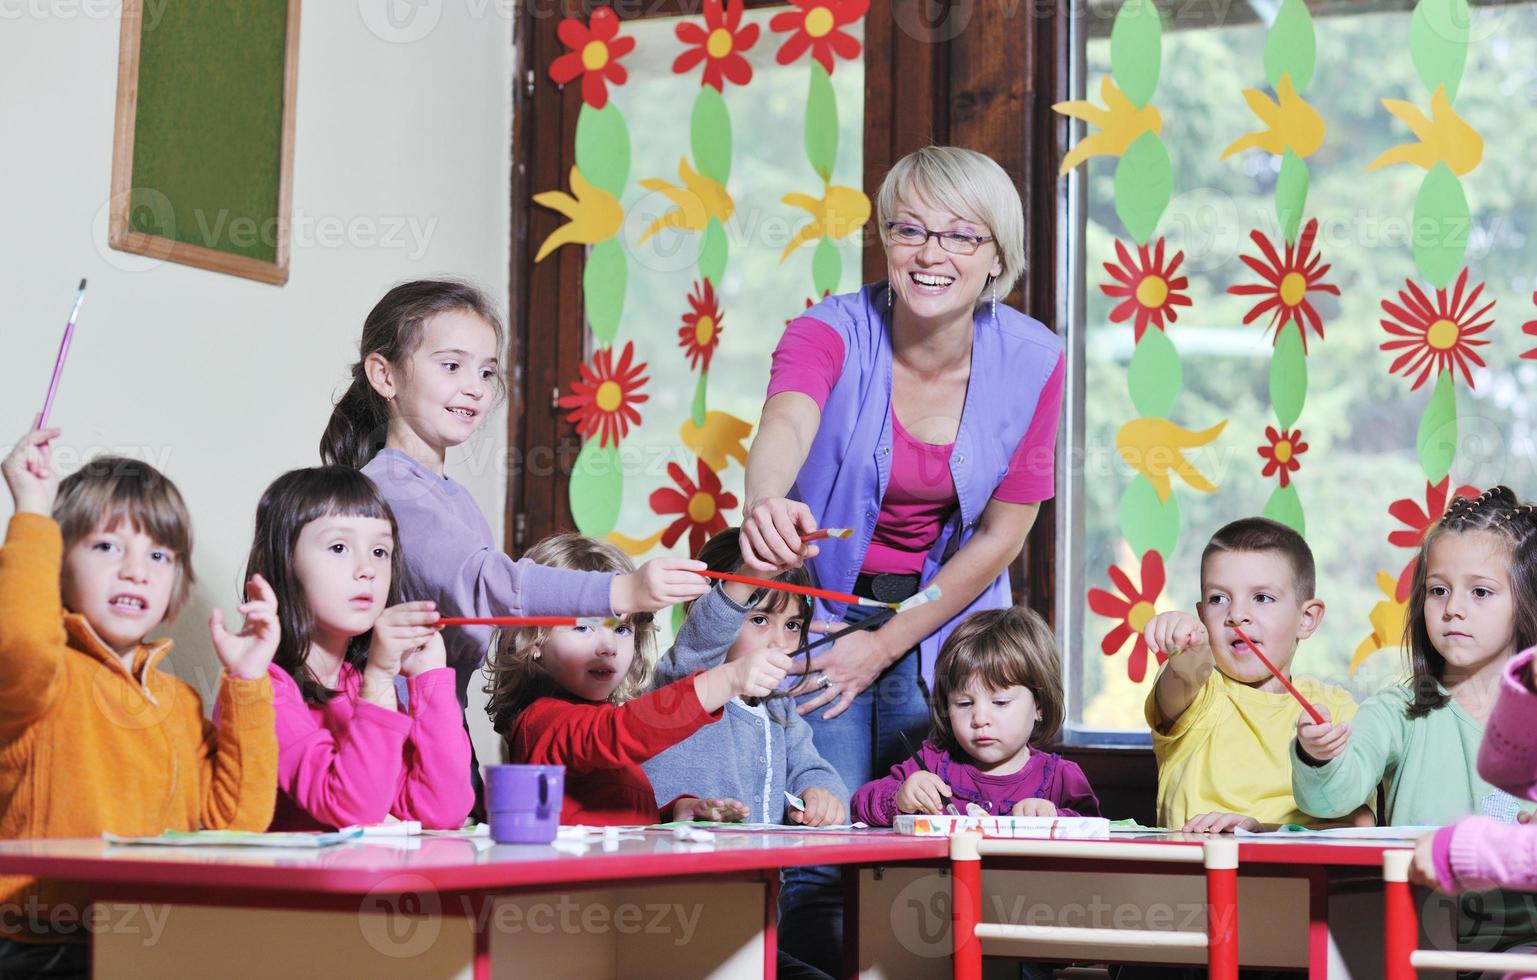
(1222, 723)
(93, 737)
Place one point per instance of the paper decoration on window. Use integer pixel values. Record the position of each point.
(1530, 329)
(604, 397)
(701, 504)
(1417, 523)
(718, 45)
(1133, 607)
(1292, 130)
(1150, 293)
(1387, 618)
(1435, 337)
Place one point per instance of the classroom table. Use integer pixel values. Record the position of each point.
(642, 906)
(649, 905)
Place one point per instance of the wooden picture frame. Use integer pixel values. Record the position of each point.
(203, 141)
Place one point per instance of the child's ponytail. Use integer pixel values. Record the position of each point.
(360, 421)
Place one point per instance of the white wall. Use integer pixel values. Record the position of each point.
(401, 170)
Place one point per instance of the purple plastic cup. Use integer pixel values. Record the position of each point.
(523, 802)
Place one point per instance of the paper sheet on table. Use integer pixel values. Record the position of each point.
(1405, 832)
(781, 828)
(237, 838)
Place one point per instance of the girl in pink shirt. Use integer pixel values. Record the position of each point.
(368, 720)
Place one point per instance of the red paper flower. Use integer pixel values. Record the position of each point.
(594, 55)
(1530, 329)
(1287, 283)
(1439, 335)
(702, 506)
(718, 44)
(700, 333)
(604, 399)
(816, 24)
(1133, 607)
(1281, 455)
(1419, 522)
(1146, 286)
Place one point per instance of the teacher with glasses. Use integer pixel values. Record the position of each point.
(921, 413)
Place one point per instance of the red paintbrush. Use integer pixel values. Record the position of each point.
(841, 533)
(928, 594)
(1317, 718)
(523, 621)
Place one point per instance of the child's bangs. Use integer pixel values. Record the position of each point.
(129, 493)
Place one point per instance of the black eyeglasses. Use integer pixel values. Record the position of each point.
(955, 242)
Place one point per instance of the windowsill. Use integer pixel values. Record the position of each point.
(1106, 741)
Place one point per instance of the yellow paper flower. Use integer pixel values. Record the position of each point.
(841, 212)
(1154, 447)
(1387, 619)
(1443, 138)
(1290, 122)
(721, 437)
(1120, 123)
(595, 215)
(697, 201)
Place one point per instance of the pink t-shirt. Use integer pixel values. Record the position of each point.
(920, 493)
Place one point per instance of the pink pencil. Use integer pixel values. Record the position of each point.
(58, 363)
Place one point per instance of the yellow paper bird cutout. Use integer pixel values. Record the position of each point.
(841, 212)
(1443, 138)
(1120, 123)
(1289, 123)
(634, 547)
(1154, 446)
(698, 200)
(1387, 619)
(721, 437)
(595, 215)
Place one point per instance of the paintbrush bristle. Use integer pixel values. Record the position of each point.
(82, 282)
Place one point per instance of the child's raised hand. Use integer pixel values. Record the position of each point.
(1320, 743)
(1221, 823)
(923, 792)
(659, 583)
(760, 674)
(719, 809)
(1034, 808)
(29, 472)
(823, 809)
(398, 631)
(1170, 632)
(248, 653)
(429, 656)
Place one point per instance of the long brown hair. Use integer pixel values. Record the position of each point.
(1498, 512)
(361, 418)
(1002, 648)
(293, 500)
(514, 676)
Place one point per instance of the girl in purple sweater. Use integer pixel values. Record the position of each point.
(997, 695)
(350, 750)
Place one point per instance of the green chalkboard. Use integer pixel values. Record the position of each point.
(203, 155)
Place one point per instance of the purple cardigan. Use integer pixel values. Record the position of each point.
(450, 557)
(844, 477)
(1479, 853)
(1044, 777)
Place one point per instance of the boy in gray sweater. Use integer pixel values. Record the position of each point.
(760, 750)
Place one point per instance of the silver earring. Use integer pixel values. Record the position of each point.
(889, 291)
(995, 304)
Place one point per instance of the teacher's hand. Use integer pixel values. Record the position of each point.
(853, 666)
(771, 534)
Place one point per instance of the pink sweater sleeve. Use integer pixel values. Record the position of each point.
(1032, 475)
(337, 779)
(1483, 853)
(809, 359)
(435, 784)
(875, 803)
(1508, 755)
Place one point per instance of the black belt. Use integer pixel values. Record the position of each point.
(886, 586)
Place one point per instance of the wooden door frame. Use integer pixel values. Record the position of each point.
(976, 73)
